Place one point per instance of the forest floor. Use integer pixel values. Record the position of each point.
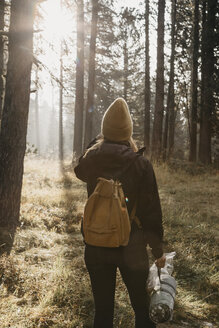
(44, 282)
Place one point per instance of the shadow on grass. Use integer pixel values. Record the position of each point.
(71, 216)
(9, 276)
(76, 294)
(7, 235)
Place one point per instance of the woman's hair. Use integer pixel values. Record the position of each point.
(101, 139)
(133, 144)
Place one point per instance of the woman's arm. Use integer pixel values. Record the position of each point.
(149, 210)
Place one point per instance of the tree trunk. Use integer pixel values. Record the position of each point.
(37, 126)
(52, 124)
(15, 113)
(171, 94)
(194, 85)
(79, 101)
(2, 23)
(91, 78)
(203, 126)
(170, 116)
(159, 99)
(125, 58)
(61, 154)
(207, 100)
(147, 98)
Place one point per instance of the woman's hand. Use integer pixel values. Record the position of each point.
(160, 263)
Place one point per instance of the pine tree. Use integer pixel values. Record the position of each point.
(107, 72)
(207, 89)
(91, 76)
(128, 37)
(79, 101)
(159, 100)
(147, 81)
(61, 142)
(194, 85)
(183, 63)
(171, 90)
(15, 113)
(2, 24)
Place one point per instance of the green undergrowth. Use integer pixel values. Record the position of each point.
(44, 282)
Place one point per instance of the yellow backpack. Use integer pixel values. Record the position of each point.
(106, 221)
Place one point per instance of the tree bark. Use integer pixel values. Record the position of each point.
(147, 98)
(37, 126)
(169, 124)
(79, 101)
(2, 23)
(171, 94)
(159, 98)
(61, 153)
(194, 85)
(15, 113)
(203, 127)
(207, 99)
(91, 78)
(166, 127)
(125, 65)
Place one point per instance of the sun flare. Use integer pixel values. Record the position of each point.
(58, 22)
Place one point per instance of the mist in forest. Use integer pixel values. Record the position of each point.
(42, 133)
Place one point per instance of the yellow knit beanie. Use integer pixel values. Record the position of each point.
(117, 122)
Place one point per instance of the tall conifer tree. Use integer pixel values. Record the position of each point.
(2, 23)
(79, 101)
(159, 98)
(147, 81)
(194, 85)
(207, 89)
(15, 114)
(171, 89)
(91, 76)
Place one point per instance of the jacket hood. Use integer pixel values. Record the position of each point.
(111, 157)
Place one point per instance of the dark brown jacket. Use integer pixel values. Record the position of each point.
(118, 160)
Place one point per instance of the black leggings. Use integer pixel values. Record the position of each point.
(132, 261)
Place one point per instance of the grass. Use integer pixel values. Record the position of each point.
(191, 224)
(44, 283)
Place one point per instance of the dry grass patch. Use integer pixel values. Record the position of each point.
(190, 210)
(44, 282)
